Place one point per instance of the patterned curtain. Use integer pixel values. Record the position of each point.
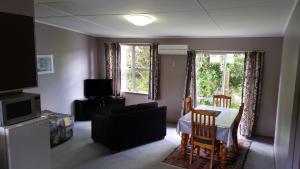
(253, 74)
(153, 92)
(113, 66)
(190, 78)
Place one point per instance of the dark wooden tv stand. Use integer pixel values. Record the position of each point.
(85, 108)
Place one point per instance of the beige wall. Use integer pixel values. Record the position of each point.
(74, 61)
(288, 99)
(172, 79)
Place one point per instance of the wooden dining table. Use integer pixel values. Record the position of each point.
(224, 122)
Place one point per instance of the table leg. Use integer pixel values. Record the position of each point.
(223, 155)
(184, 141)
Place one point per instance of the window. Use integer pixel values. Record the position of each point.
(219, 73)
(135, 62)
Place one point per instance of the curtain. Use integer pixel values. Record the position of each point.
(253, 74)
(190, 78)
(113, 66)
(154, 75)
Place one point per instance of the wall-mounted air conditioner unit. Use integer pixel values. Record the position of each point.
(172, 49)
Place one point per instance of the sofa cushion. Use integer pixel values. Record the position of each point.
(147, 105)
(124, 109)
(130, 108)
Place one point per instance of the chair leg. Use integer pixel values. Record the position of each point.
(191, 154)
(211, 158)
(235, 143)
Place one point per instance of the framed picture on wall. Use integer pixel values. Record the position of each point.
(45, 64)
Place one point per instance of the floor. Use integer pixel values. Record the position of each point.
(81, 152)
(261, 154)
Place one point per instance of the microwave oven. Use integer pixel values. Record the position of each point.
(16, 108)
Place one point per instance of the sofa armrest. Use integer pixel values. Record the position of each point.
(164, 119)
(100, 128)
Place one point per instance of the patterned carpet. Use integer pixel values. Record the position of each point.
(237, 162)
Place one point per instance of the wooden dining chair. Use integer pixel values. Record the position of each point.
(187, 104)
(203, 133)
(235, 129)
(222, 101)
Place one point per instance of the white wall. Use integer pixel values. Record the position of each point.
(288, 98)
(171, 93)
(74, 61)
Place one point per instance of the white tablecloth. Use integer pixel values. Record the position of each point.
(224, 123)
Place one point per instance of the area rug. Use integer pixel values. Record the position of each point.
(232, 162)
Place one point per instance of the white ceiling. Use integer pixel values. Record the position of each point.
(174, 18)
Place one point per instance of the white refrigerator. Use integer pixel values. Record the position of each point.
(25, 145)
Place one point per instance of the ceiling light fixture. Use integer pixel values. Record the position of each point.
(140, 20)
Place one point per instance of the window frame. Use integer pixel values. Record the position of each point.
(134, 69)
(223, 54)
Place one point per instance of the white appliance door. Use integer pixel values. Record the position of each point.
(29, 145)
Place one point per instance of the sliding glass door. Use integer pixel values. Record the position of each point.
(219, 73)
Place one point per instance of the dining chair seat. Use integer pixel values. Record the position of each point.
(204, 141)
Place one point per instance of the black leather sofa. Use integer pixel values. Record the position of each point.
(130, 126)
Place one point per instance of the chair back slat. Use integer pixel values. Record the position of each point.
(203, 133)
(239, 116)
(235, 128)
(187, 104)
(203, 125)
(222, 101)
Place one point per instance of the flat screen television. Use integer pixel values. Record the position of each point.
(97, 88)
(17, 52)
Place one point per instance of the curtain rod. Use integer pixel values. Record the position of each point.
(228, 51)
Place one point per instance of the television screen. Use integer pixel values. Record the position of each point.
(97, 87)
(17, 52)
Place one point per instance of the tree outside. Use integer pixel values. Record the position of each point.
(135, 61)
(219, 74)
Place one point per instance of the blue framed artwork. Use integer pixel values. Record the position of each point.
(45, 64)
